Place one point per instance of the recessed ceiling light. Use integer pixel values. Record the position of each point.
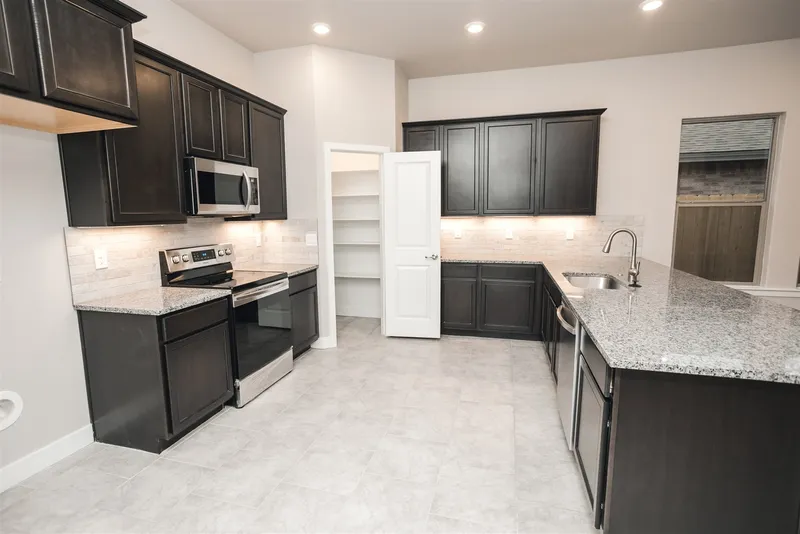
(320, 28)
(650, 5)
(475, 27)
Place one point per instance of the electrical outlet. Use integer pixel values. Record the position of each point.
(100, 258)
(509, 233)
(570, 234)
(311, 239)
(457, 233)
(258, 239)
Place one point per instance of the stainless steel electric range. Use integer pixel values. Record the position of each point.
(261, 316)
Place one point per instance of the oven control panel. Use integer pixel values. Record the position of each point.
(181, 259)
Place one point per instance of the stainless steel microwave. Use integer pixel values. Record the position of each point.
(216, 188)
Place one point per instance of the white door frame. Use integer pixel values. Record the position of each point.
(325, 277)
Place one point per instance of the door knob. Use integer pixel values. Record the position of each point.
(432, 257)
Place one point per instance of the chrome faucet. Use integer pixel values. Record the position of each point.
(633, 272)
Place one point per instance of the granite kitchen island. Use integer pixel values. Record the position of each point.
(701, 385)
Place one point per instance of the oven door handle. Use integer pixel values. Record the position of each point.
(249, 191)
(260, 292)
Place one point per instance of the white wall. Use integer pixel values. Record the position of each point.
(41, 355)
(647, 97)
(174, 31)
(354, 97)
(286, 77)
(400, 105)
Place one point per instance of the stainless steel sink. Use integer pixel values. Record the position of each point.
(591, 281)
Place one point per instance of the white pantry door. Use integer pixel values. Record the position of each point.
(411, 228)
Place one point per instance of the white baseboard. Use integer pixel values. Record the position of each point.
(326, 342)
(41, 459)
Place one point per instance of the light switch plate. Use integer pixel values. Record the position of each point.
(509, 233)
(100, 258)
(311, 239)
(258, 239)
(457, 233)
(570, 234)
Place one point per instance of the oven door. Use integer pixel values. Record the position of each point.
(218, 188)
(263, 326)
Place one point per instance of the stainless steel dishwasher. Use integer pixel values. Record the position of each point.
(567, 370)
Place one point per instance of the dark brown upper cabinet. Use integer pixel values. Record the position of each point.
(134, 175)
(461, 169)
(17, 56)
(568, 167)
(67, 65)
(234, 128)
(508, 170)
(86, 53)
(267, 149)
(422, 138)
(202, 118)
(542, 164)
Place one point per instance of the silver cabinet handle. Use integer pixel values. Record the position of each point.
(249, 191)
(568, 327)
(432, 257)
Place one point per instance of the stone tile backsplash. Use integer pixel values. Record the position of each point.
(542, 236)
(133, 251)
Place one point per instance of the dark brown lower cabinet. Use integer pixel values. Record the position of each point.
(459, 304)
(697, 454)
(198, 374)
(151, 379)
(493, 300)
(507, 306)
(305, 311)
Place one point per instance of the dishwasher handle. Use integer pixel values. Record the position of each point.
(560, 315)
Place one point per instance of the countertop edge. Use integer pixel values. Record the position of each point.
(194, 300)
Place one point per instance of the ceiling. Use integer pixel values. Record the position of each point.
(427, 37)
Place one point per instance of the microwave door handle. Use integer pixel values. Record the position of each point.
(249, 191)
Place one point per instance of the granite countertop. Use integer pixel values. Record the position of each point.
(677, 322)
(155, 301)
(292, 269)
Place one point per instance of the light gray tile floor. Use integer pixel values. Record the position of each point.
(459, 435)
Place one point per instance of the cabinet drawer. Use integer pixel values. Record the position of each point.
(459, 270)
(509, 272)
(301, 282)
(597, 364)
(185, 322)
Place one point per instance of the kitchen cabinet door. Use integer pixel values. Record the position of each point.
(422, 138)
(508, 167)
(86, 56)
(146, 163)
(267, 152)
(507, 306)
(459, 304)
(17, 56)
(199, 376)
(461, 169)
(568, 165)
(305, 319)
(235, 131)
(201, 118)
(591, 439)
